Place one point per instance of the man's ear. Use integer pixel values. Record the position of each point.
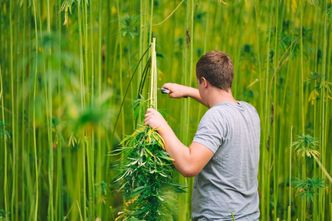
(204, 82)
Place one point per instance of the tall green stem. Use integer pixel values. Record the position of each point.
(35, 215)
(5, 185)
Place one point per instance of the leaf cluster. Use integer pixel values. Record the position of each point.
(146, 174)
(306, 145)
(308, 187)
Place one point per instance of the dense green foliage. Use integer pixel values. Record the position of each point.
(66, 65)
(146, 176)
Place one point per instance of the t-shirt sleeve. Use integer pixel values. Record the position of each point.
(211, 130)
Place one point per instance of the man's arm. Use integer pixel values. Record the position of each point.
(188, 161)
(180, 91)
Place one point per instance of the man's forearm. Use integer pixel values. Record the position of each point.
(176, 149)
(189, 161)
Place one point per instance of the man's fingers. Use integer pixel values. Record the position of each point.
(166, 85)
(171, 94)
(149, 113)
(147, 116)
(146, 120)
(169, 87)
(150, 110)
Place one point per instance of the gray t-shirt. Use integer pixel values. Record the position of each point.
(227, 185)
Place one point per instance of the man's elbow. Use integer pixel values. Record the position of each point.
(189, 171)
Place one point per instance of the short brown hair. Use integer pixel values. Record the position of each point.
(217, 68)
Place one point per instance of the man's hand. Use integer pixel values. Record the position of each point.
(179, 91)
(176, 90)
(154, 119)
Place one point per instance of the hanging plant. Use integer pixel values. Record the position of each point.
(146, 177)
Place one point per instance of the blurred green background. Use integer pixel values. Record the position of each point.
(66, 66)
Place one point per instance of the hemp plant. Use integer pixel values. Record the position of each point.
(147, 171)
(308, 187)
(305, 146)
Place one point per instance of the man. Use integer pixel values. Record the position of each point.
(224, 154)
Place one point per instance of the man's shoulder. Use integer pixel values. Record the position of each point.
(215, 112)
(246, 103)
(249, 106)
(225, 110)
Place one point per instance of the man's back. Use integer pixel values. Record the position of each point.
(227, 186)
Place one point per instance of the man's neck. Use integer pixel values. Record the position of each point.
(220, 96)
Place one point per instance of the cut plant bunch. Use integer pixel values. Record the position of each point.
(147, 169)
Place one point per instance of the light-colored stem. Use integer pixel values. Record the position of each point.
(153, 82)
(321, 166)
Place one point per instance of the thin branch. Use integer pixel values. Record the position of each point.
(176, 8)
